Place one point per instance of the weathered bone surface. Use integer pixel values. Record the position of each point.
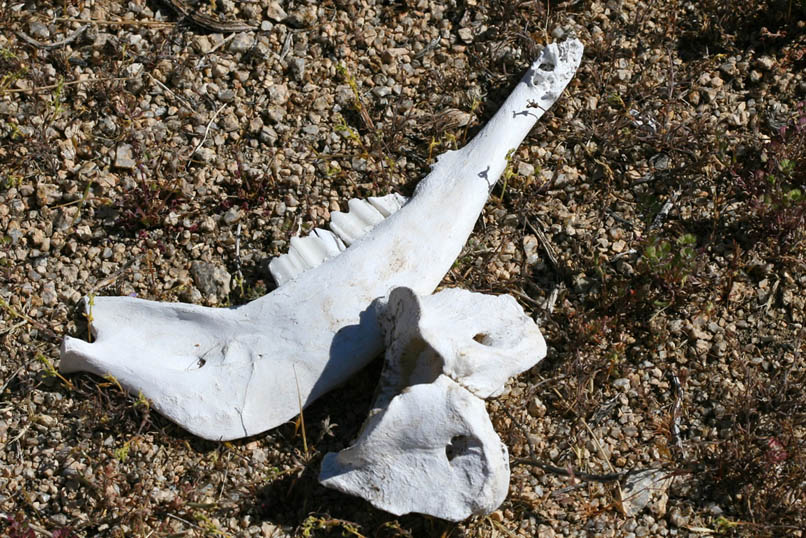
(229, 373)
(428, 445)
(477, 340)
(432, 450)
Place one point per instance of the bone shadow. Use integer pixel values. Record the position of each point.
(363, 339)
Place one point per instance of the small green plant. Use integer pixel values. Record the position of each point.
(51, 371)
(56, 107)
(507, 174)
(776, 193)
(350, 133)
(672, 261)
(15, 73)
(208, 524)
(122, 453)
(314, 523)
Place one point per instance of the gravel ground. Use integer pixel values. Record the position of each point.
(653, 222)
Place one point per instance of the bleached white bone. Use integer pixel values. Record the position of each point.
(432, 450)
(428, 445)
(229, 373)
(478, 340)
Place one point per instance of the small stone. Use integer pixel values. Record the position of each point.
(530, 245)
(232, 216)
(729, 68)
(49, 296)
(276, 114)
(207, 224)
(37, 237)
(545, 531)
(677, 518)
(536, 408)
(60, 519)
(278, 94)
(38, 30)
(46, 420)
(276, 12)
(229, 122)
(303, 17)
(466, 35)
(702, 347)
(526, 170)
(124, 158)
(255, 125)
(47, 194)
(268, 136)
(226, 95)
(84, 232)
(202, 44)
(206, 155)
(622, 383)
(241, 43)
(766, 63)
(647, 487)
(134, 70)
(297, 68)
(191, 295)
(211, 279)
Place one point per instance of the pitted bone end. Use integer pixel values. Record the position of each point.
(428, 445)
(478, 340)
(432, 450)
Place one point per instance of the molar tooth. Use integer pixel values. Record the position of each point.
(297, 261)
(309, 250)
(347, 227)
(386, 205)
(364, 211)
(330, 242)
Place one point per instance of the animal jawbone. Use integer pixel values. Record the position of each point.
(230, 373)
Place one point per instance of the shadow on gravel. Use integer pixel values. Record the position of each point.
(298, 500)
(755, 24)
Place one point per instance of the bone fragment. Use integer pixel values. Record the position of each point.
(229, 373)
(432, 450)
(428, 445)
(477, 340)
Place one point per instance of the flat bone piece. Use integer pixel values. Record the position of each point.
(478, 340)
(432, 450)
(428, 445)
(230, 373)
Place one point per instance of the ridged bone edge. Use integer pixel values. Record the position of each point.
(311, 250)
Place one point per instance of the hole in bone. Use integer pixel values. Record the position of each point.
(460, 445)
(197, 364)
(483, 339)
(546, 66)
